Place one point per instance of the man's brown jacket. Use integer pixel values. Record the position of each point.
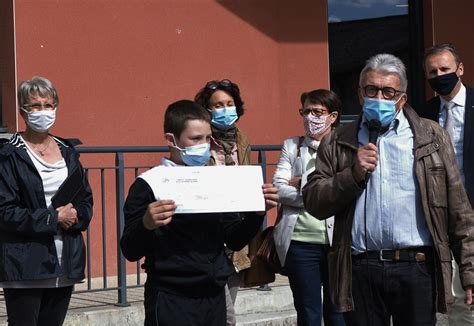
(332, 190)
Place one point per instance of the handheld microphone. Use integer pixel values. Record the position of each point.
(374, 131)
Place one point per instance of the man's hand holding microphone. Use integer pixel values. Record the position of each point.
(367, 155)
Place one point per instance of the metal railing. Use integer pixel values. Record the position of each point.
(120, 169)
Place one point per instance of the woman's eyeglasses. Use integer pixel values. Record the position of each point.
(39, 107)
(314, 112)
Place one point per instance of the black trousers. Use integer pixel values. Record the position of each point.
(166, 309)
(37, 307)
(403, 291)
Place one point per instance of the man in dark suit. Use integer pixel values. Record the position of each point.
(453, 108)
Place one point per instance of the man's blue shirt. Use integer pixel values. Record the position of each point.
(394, 214)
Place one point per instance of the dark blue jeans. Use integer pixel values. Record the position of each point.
(307, 269)
(402, 291)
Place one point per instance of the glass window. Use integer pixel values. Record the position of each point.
(358, 30)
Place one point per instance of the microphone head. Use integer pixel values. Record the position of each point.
(374, 130)
(375, 125)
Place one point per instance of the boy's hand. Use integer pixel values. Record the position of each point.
(158, 213)
(270, 193)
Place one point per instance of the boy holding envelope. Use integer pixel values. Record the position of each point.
(185, 262)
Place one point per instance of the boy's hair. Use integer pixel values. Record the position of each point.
(178, 113)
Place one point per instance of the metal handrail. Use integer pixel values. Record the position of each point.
(153, 149)
(120, 168)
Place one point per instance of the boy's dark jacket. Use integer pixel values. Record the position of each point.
(185, 257)
(28, 227)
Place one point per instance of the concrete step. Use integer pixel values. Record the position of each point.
(280, 318)
(253, 307)
(106, 316)
(250, 301)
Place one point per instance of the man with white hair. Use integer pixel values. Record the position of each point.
(391, 181)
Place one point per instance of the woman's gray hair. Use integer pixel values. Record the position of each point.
(39, 86)
(385, 63)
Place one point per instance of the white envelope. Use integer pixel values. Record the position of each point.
(209, 189)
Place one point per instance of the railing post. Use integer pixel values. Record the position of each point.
(262, 160)
(119, 193)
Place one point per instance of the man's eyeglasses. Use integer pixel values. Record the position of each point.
(214, 84)
(388, 93)
(314, 112)
(39, 107)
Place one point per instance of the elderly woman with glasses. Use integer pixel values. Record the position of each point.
(302, 241)
(229, 146)
(43, 253)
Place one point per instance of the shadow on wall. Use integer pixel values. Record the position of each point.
(296, 21)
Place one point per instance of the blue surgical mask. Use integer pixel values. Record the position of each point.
(378, 109)
(196, 155)
(224, 118)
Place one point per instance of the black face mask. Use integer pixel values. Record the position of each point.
(444, 84)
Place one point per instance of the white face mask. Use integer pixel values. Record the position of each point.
(40, 121)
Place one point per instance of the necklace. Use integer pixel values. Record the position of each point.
(40, 151)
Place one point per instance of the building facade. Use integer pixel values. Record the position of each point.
(118, 64)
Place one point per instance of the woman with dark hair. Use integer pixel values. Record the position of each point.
(229, 146)
(302, 241)
(43, 252)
